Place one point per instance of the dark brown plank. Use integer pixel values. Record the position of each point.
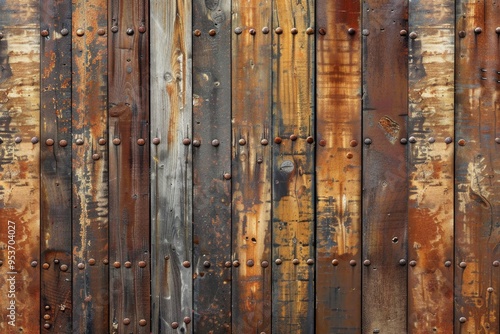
(211, 161)
(430, 221)
(55, 165)
(19, 166)
(338, 167)
(89, 168)
(293, 167)
(477, 204)
(128, 98)
(385, 205)
(251, 172)
(171, 166)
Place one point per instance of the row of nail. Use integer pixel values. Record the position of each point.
(101, 32)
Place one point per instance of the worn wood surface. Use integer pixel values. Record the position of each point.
(19, 167)
(385, 205)
(171, 169)
(55, 164)
(128, 100)
(89, 170)
(338, 167)
(251, 173)
(430, 221)
(293, 167)
(477, 204)
(211, 161)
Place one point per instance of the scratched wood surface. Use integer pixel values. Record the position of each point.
(477, 205)
(430, 163)
(251, 173)
(171, 165)
(338, 167)
(89, 170)
(55, 164)
(293, 167)
(385, 70)
(128, 100)
(211, 163)
(19, 167)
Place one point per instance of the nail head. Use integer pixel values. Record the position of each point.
(80, 32)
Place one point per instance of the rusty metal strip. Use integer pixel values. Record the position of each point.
(171, 185)
(385, 205)
(128, 95)
(55, 165)
(431, 121)
(338, 167)
(251, 173)
(19, 166)
(212, 166)
(90, 169)
(477, 204)
(293, 167)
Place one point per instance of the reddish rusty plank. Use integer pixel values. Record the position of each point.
(128, 96)
(211, 161)
(251, 172)
(385, 205)
(19, 167)
(171, 169)
(55, 164)
(477, 204)
(89, 169)
(338, 167)
(293, 167)
(431, 121)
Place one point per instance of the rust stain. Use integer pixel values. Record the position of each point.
(390, 127)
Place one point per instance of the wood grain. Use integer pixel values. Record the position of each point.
(293, 167)
(89, 169)
(477, 205)
(251, 172)
(385, 204)
(338, 167)
(171, 165)
(19, 166)
(55, 163)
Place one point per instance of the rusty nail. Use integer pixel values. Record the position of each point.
(463, 264)
(34, 263)
(105, 261)
(496, 263)
(349, 155)
(461, 142)
(236, 263)
(497, 140)
(215, 142)
(278, 30)
(56, 261)
(227, 264)
(412, 140)
(310, 262)
(47, 307)
(295, 261)
(322, 142)
(461, 34)
(366, 32)
(294, 31)
(187, 320)
(128, 264)
(96, 156)
(351, 31)
(141, 142)
(478, 30)
(64, 267)
(264, 264)
(80, 32)
(1, 35)
(252, 31)
(79, 141)
(114, 29)
(413, 35)
(335, 262)
(227, 176)
(431, 140)
(117, 264)
(197, 32)
(259, 160)
(45, 266)
(34, 140)
(196, 143)
(212, 32)
(126, 321)
(237, 30)
(102, 141)
(293, 137)
(448, 140)
(490, 289)
(206, 264)
(101, 31)
(310, 31)
(186, 264)
(186, 141)
(366, 263)
(497, 30)
(277, 140)
(46, 316)
(265, 30)
(18, 140)
(368, 141)
(92, 261)
(278, 261)
(310, 140)
(462, 319)
(403, 32)
(413, 263)
(49, 142)
(250, 263)
(46, 326)
(116, 141)
(142, 29)
(352, 263)
(130, 31)
(242, 141)
(175, 325)
(403, 141)
(142, 264)
(44, 33)
(353, 143)
(156, 141)
(142, 322)
(322, 31)
(447, 263)
(264, 142)
(81, 265)
(402, 262)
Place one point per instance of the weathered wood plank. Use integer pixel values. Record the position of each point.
(385, 205)
(431, 121)
(293, 167)
(19, 166)
(338, 167)
(128, 96)
(251, 105)
(171, 184)
(211, 160)
(477, 185)
(55, 164)
(89, 169)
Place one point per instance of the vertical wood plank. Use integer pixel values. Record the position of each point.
(171, 184)
(338, 167)
(293, 167)
(19, 166)
(477, 185)
(211, 161)
(431, 121)
(55, 165)
(128, 96)
(90, 169)
(385, 205)
(252, 96)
